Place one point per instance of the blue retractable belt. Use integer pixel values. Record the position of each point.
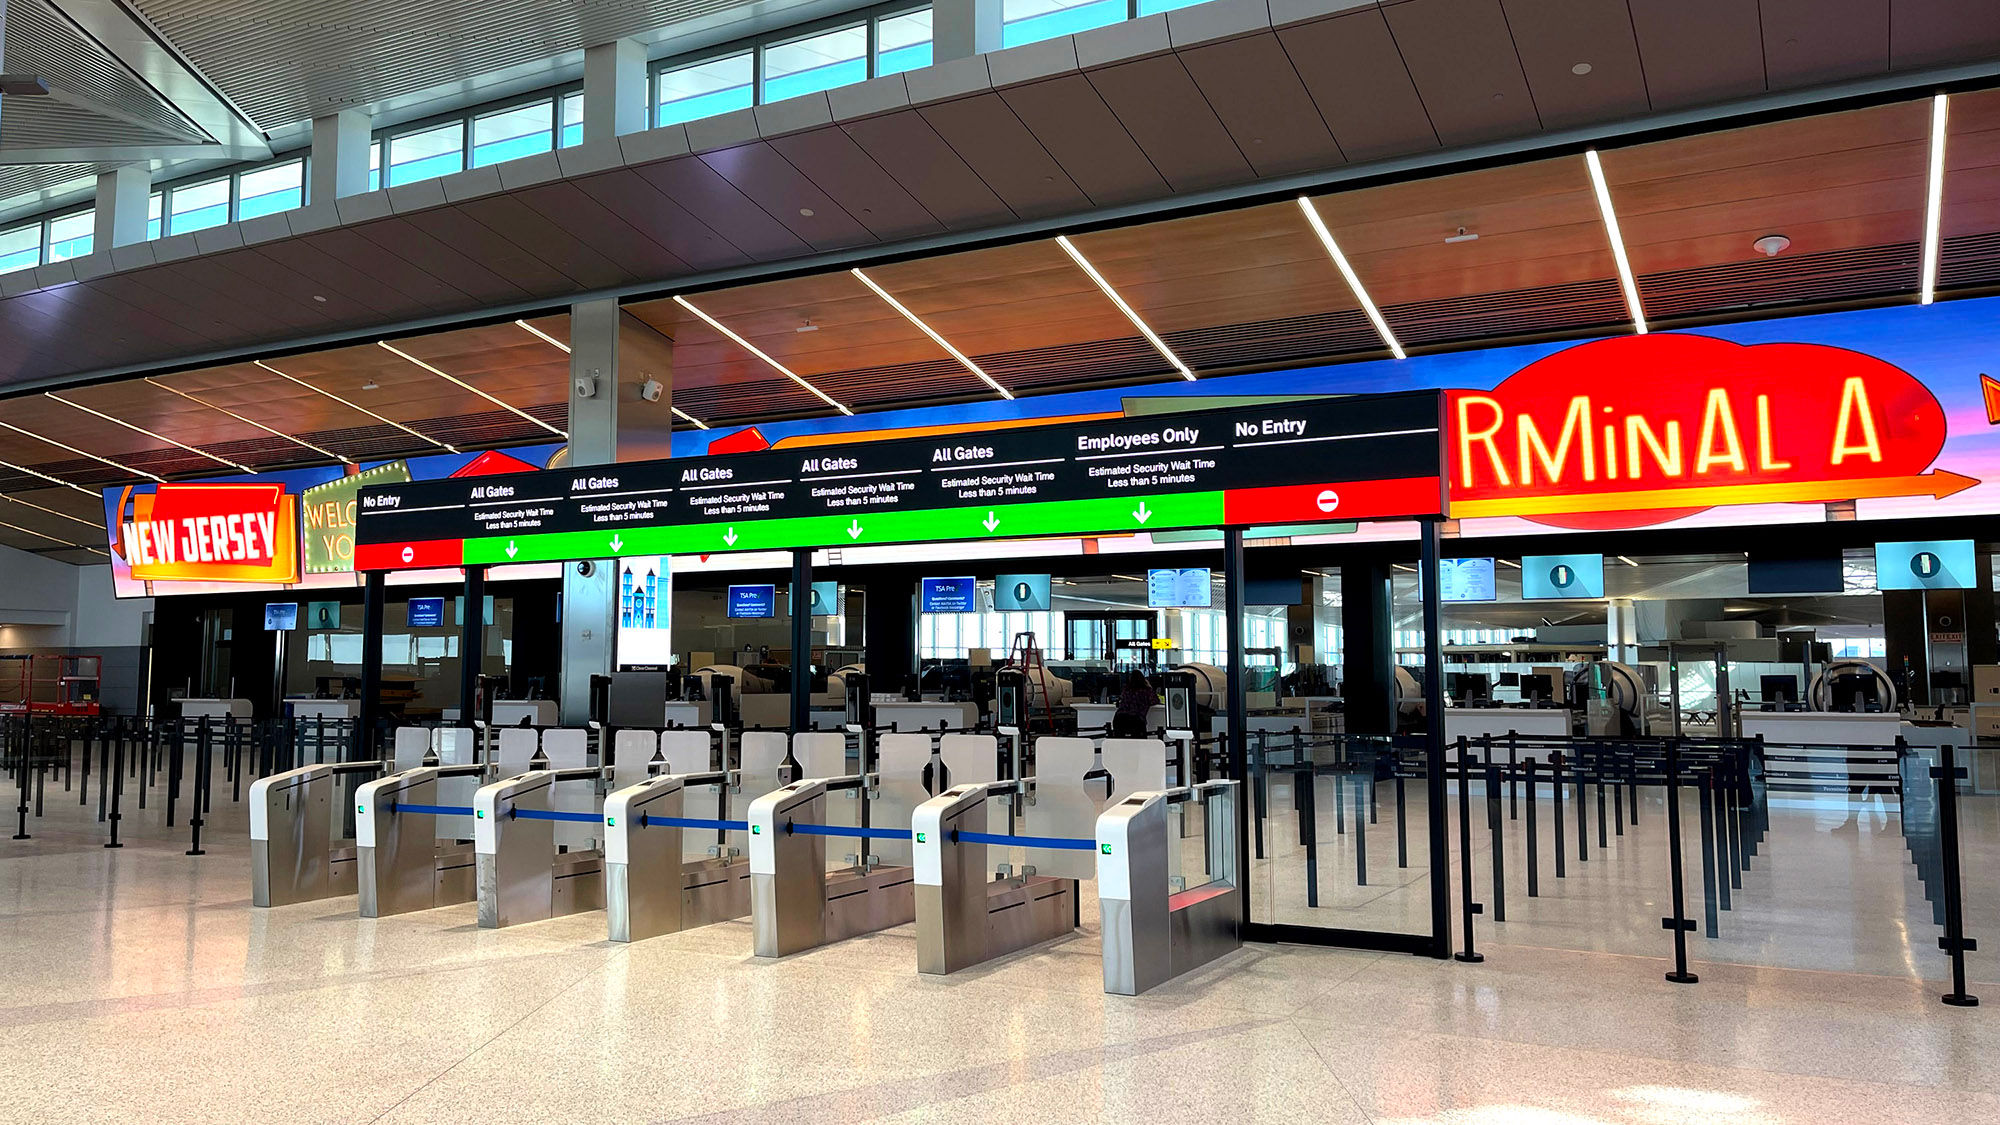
(1060, 843)
(853, 833)
(435, 810)
(690, 822)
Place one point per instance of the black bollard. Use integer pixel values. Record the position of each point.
(1467, 906)
(1679, 923)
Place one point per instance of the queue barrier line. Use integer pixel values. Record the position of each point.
(848, 831)
(433, 810)
(558, 814)
(1058, 843)
(651, 821)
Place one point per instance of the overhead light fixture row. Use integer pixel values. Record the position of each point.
(294, 439)
(760, 354)
(1145, 329)
(927, 330)
(1934, 200)
(1353, 279)
(149, 433)
(686, 417)
(52, 480)
(51, 538)
(545, 336)
(84, 453)
(458, 382)
(52, 511)
(419, 435)
(1626, 281)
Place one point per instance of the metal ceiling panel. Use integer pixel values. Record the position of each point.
(1357, 79)
(133, 327)
(1554, 37)
(576, 212)
(542, 257)
(132, 288)
(1808, 42)
(774, 184)
(47, 43)
(838, 166)
(331, 275)
(1086, 138)
(1928, 32)
(905, 146)
(715, 201)
(219, 303)
(1252, 86)
(340, 248)
(211, 283)
(1162, 109)
(453, 247)
(1462, 59)
(1006, 156)
(283, 286)
(1699, 51)
(631, 197)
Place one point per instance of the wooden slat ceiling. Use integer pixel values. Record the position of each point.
(1231, 290)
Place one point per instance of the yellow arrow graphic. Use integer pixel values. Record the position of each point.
(1938, 484)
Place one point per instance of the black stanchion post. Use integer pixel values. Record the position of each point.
(1556, 817)
(116, 781)
(1402, 827)
(1360, 836)
(1680, 923)
(1709, 883)
(21, 775)
(1499, 845)
(1513, 776)
(1534, 845)
(1304, 793)
(1467, 907)
(1618, 799)
(1582, 810)
(198, 799)
(1954, 942)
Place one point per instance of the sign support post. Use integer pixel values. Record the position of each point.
(1434, 772)
(1239, 721)
(372, 596)
(802, 636)
(471, 643)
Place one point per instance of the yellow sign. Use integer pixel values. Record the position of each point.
(1163, 642)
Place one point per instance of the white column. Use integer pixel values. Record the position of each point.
(963, 28)
(121, 207)
(590, 600)
(340, 143)
(614, 89)
(1621, 630)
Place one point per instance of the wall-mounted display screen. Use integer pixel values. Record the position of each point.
(1180, 587)
(281, 615)
(645, 613)
(1273, 591)
(1466, 580)
(1948, 564)
(1795, 574)
(825, 599)
(426, 613)
(1020, 592)
(950, 595)
(322, 615)
(753, 601)
(1562, 576)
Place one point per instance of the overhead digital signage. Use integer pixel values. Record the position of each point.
(1272, 463)
(949, 595)
(1180, 587)
(280, 616)
(322, 615)
(645, 612)
(426, 613)
(753, 601)
(1562, 576)
(226, 532)
(1951, 564)
(327, 514)
(1466, 580)
(1015, 593)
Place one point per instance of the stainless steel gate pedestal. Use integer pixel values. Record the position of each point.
(795, 902)
(964, 919)
(400, 863)
(1153, 934)
(651, 887)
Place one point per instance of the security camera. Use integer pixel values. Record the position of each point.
(586, 386)
(586, 568)
(651, 390)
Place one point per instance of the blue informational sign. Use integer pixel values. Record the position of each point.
(1466, 580)
(281, 615)
(1562, 576)
(826, 599)
(426, 613)
(950, 595)
(1174, 588)
(753, 601)
(1020, 592)
(322, 615)
(1946, 564)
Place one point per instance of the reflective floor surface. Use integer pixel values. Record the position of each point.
(140, 985)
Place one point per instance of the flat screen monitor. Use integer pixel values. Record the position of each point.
(426, 613)
(826, 599)
(1466, 580)
(1943, 564)
(1796, 574)
(1179, 587)
(323, 615)
(753, 601)
(1562, 576)
(1856, 693)
(281, 615)
(1778, 689)
(1536, 685)
(1013, 593)
(950, 595)
(1273, 591)
(1468, 687)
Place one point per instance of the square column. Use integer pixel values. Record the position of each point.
(340, 146)
(614, 89)
(961, 29)
(122, 196)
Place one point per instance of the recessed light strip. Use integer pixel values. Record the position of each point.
(1934, 200)
(52, 511)
(81, 453)
(50, 479)
(543, 335)
(686, 417)
(51, 538)
(759, 353)
(357, 406)
(1626, 281)
(1145, 330)
(250, 421)
(142, 430)
(927, 330)
(1353, 279)
(456, 381)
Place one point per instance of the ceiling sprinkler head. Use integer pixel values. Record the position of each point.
(1771, 245)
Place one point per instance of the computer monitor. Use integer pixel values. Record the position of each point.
(1510, 679)
(1856, 693)
(1538, 686)
(1467, 687)
(1778, 689)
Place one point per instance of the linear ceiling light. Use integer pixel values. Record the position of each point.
(543, 335)
(50, 479)
(759, 353)
(686, 417)
(81, 453)
(456, 381)
(1152, 337)
(357, 406)
(52, 511)
(250, 421)
(51, 538)
(1934, 200)
(1625, 279)
(927, 330)
(142, 430)
(1353, 280)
